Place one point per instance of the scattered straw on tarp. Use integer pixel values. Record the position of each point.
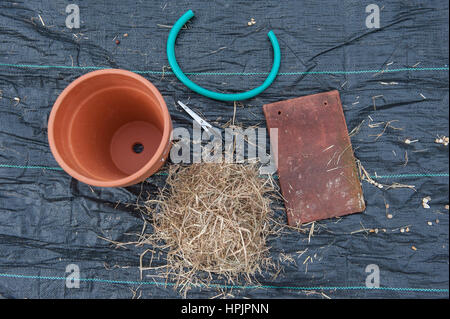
(212, 219)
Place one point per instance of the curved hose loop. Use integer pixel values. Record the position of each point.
(215, 95)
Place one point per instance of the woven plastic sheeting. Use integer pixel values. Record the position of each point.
(397, 72)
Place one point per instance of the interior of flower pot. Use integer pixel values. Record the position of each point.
(109, 126)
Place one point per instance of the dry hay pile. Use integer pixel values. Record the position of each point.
(213, 218)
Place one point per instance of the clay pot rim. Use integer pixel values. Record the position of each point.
(135, 176)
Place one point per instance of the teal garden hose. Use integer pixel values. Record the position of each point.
(215, 95)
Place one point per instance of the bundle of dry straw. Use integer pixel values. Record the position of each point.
(213, 218)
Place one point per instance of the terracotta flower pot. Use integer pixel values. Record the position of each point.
(110, 128)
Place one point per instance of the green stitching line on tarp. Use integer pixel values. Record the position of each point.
(26, 166)
(130, 282)
(35, 66)
(165, 173)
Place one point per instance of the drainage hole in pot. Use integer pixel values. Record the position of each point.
(138, 148)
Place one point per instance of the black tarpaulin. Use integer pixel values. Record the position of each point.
(398, 72)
